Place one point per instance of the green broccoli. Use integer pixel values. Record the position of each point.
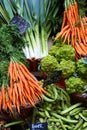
(66, 52)
(81, 68)
(68, 68)
(53, 50)
(48, 64)
(74, 84)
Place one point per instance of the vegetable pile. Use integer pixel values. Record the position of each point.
(74, 29)
(66, 59)
(58, 111)
(74, 72)
(18, 87)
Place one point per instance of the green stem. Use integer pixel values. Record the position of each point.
(12, 123)
(34, 115)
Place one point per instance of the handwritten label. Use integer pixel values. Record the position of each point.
(20, 22)
(39, 126)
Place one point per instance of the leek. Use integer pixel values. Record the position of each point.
(39, 14)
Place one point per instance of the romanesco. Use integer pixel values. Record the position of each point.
(53, 50)
(48, 64)
(68, 68)
(81, 68)
(74, 84)
(66, 52)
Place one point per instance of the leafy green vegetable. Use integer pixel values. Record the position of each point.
(53, 50)
(48, 64)
(81, 68)
(68, 68)
(74, 84)
(66, 52)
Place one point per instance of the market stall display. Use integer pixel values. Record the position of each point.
(57, 99)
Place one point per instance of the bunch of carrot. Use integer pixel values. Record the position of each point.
(74, 29)
(23, 88)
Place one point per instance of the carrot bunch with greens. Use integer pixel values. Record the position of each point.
(23, 89)
(74, 29)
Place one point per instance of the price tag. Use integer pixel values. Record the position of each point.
(39, 126)
(20, 22)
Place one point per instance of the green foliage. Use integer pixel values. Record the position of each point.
(82, 7)
(81, 68)
(66, 52)
(68, 68)
(74, 84)
(11, 44)
(48, 64)
(53, 49)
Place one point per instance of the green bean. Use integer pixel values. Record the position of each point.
(63, 118)
(41, 114)
(76, 111)
(84, 118)
(53, 120)
(62, 125)
(47, 99)
(68, 127)
(84, 113)
(71, 108)
(78, 125)
(76, 116)
(55, 92)
(85, 125)
(41, 120)
(47, 113)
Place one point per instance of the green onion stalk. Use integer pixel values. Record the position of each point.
(40, 14)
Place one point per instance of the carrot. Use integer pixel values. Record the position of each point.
(84, 48)
(33, 94)
(78, 34)
(66, 36)
(27, 75)
(9, 106)
(29, 99)
(1, 101)
(82, 36)
(76, 10)
(9, 91)
(14, 97)
(10, 69)
(3, 97)
(20, 75)
(62, 31)
(64, 20)
(73, 37)
(18, 92)
(18, 106)
(15, 78)
(79, 50)
(74, 14)
(69, 22)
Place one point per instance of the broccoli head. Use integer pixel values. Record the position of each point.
(48, 64)
(68, 68)
(81, 68)
(66, 52)
(53, 50)
(74, 84)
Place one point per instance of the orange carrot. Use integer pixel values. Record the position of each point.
(66, 36)
(1, 102)
(62, 31)
(64, 20)
(79, 50)
(9, 106)
(3, 97)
